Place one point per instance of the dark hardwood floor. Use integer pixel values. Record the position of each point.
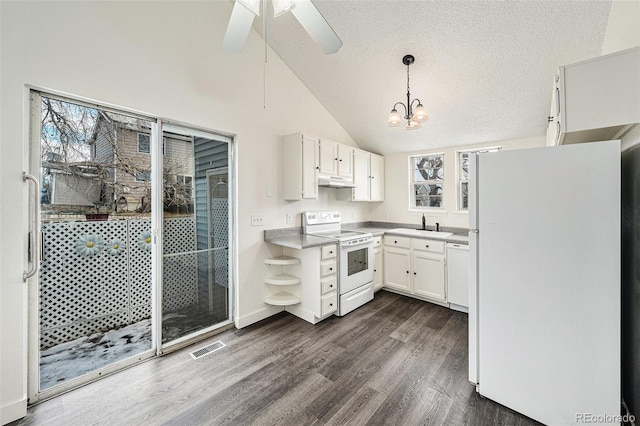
(394, 361)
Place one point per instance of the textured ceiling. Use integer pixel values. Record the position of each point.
(483, 69)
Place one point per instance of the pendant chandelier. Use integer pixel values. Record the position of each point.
(412, 116)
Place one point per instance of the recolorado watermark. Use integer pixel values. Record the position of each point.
(604, 418)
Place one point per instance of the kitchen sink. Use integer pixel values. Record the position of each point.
(420, 233)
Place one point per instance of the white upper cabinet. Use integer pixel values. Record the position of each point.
(336, 159)
(368, 178)
(596, 100)
(360, 175)
(376, 181)
(300, 165)
(328, 157)
(345, 161)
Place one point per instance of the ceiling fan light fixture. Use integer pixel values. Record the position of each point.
(280, 7)
(420, 114)
(252, 5)
(394, 118)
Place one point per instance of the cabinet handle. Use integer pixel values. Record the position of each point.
(415, 273)
(407, 272)
(331, 269)
(341, 159)
(330, 304)
(317, 167)
(331, 252)
(336, 159)
(395, 242)
(427, 245)
(375, 270)
(372, 177)
(331, 286)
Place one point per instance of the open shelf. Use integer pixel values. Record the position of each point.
(282, 279)
(282, 298)
(282, 260)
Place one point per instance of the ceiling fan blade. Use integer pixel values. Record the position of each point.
(238, 29)
(317, 27)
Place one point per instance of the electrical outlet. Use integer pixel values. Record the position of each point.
(385, 215)
(289, 218)
(257, 220)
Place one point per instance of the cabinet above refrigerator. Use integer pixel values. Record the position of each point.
(594, 100)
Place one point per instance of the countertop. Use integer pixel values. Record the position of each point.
(292, 238)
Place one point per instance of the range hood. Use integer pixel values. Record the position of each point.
(335, 181)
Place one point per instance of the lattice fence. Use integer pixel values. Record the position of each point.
(109, 288)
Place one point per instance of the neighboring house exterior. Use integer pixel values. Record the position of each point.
(119, 175)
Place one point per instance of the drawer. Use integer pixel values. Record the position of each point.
(329, 252)
(328, 268)
(427, 245)
(377, 241)
(328, 304)
(395, 241)
(329, 285)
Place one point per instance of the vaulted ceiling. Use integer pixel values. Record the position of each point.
(483, 69)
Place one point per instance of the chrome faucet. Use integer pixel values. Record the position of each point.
(424, 223)
(437, 227)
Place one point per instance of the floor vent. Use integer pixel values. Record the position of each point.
(207, 350)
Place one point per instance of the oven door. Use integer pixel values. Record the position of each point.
(356, 266)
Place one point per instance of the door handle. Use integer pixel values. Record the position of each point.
(34, 247)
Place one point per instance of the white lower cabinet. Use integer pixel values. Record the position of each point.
(318, 288)
(458, 276)
(415, 267)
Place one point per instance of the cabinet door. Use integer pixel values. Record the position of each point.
(360, 175)
(345, 161)
(376, 191)
(378, 275)
(553, 129)
(328, 157)
(309, 167)
(428, 276)
(396, 269)
(458, 277)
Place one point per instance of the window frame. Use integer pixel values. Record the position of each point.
(412, 182)
(460, 180)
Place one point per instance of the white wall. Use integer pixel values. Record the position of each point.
(164, 59)
(395, 207)
(623, 27)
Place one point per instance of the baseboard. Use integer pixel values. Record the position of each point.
(302, 313)
(258, 315)
(13, 411)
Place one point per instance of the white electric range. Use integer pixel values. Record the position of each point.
(355, 258)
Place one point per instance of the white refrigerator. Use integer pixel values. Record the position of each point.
(544, 315)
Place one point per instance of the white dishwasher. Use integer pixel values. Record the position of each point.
(458, 276)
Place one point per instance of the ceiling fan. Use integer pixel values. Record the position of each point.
(244, 11)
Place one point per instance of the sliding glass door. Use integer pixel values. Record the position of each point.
(196, 219)
(106, 291)
(92, 299)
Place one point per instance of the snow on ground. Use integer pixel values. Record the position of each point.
(74, 358)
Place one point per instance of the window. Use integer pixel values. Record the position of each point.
(427, 181)
(144, 143)
(143, 176)
(463, 175)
